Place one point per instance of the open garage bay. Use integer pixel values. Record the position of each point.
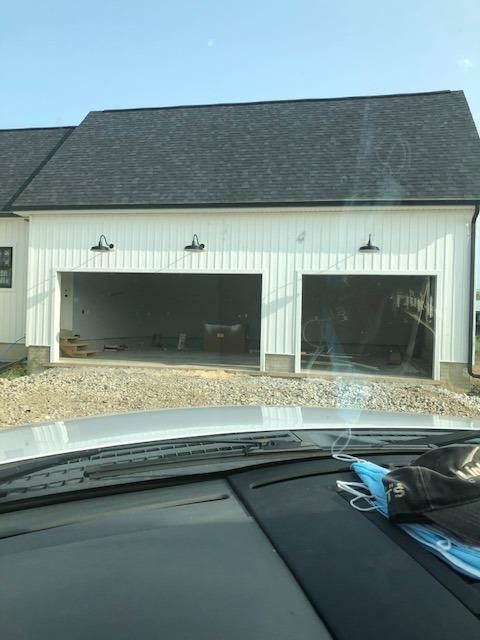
(171, 319)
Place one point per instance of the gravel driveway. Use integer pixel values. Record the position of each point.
(81, 391)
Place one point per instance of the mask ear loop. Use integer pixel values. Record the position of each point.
(350, 487)
(444, 544)
(345, 457)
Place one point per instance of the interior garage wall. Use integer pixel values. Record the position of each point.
(129, 305)
(239, 302)
(140, 305)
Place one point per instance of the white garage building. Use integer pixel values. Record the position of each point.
(284, 196)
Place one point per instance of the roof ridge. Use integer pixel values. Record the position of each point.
(285, 101)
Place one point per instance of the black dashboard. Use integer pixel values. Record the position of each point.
(273, 552)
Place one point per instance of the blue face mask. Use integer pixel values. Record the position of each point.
(369, 495)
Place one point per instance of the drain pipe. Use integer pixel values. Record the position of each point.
(473, 296)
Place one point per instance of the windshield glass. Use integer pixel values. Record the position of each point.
(239, 320)
(271, 206)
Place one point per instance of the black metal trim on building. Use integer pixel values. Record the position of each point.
(472, 319)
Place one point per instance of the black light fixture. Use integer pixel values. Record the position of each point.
(102, 245)
(369, 247)
(196, 245)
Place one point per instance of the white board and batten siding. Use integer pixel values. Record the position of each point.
(279, 244)
(14, 233)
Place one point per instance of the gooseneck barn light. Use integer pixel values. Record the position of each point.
(102, 245)
(196, 245)
(369, 247)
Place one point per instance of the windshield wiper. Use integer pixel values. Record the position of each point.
(174, 454)
(444, 439)
(105, 471)
(15, 470)
(251, 444)
(240, 450)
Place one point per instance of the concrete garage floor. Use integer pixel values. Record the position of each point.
(152, 356)
(367, 366)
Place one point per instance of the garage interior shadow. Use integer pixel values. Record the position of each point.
(171, 319)
(377, 325)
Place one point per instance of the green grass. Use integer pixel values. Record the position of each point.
(11, 373)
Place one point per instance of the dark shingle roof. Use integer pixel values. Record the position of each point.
(22, 152)
(400, 147)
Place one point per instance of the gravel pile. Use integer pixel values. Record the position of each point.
(81, 391)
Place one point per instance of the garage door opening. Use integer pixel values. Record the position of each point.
(170, 319)
(377, 325)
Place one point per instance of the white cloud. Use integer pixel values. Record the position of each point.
(465, 63)
(210, 43)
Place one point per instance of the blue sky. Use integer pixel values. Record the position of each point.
(61, 59)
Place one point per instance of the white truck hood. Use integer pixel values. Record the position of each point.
(82, 434)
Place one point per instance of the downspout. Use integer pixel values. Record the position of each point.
(472, 320)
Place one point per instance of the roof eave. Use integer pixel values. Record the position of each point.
(231, 205)
(8, 214)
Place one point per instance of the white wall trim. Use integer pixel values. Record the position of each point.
(56, 295)
(160, 271)
(253, 210)
(370, 272)
(263, 324)
(297, 325)
(57, 299)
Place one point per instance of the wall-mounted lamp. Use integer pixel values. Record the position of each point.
(195, 246)
(102, 245)
(369, 247)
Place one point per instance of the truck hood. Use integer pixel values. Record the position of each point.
(83, 434)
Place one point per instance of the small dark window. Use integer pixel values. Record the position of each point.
(6, 267)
